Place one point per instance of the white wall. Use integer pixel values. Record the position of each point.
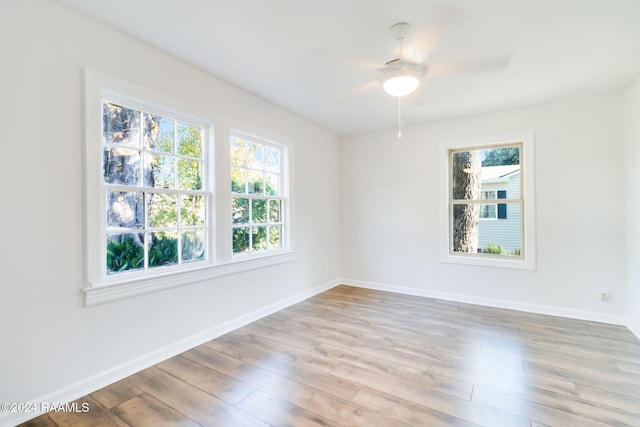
(50, 341)
(632, 168)
(390, 207)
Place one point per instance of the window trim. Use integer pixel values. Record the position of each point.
(284, 148)
(219, 263)
(527, 167)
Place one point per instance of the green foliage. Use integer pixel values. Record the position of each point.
(163, 250)
(125, 255)
(492, 248)
(502, 156)
(240, 241)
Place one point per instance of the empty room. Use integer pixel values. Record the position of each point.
(320, 213)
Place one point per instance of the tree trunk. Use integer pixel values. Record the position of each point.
(466, 186)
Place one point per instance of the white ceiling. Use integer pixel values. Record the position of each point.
(319, 58)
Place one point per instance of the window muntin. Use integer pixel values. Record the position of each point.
(258, 195)
(155, 189)
(473, 171)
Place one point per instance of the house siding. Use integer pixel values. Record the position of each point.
(503, 232)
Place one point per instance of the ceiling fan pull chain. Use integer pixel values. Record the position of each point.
(400, 123)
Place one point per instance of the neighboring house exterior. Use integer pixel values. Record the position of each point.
(500, 223)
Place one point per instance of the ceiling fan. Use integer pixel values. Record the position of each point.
(401, 76)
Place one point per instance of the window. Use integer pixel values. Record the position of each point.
(478, 174)
(488, 211)
(154, 182)
(258, 195)
(155, 217)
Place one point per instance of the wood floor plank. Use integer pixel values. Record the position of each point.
(96, 415)
(548, 409)
(317, 379)
(338, 410)
(206, 379)
(390, 401)
(408, 411)
(283, 351)
(207, 355)
(116, 393)
(40, 421)
(611, 399)
(145, 410)
(201, 407)
(278, 412)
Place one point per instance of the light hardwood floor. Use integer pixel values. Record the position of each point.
(357, 357)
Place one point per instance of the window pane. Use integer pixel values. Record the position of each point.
(125, 252)
(240, 240)
(259, 238)
(125, 210)
(163, 210)
(259, 211)
(163, 248)
(254, 156)
(240, 211)
(272, 184)
(192, 211)
(501, 236)
(189, 174)
(121, 166)
(189, 140)
(271, 159)
(120, 125)
(255, 182)
(193, 245)
(274, 211)
(466, 172)
(238, 180)
(465, 228)
(274, 237)
(238, 152)
(160, 171)
(158, 133)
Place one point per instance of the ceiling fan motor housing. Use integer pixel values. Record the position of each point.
(401, 77)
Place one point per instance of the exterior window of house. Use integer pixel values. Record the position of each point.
(258, 194)
(488, 211)
(157, 212)
(154, 184)
(489, 202)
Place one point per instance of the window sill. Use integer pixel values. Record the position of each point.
(107, 293)
(491, 261)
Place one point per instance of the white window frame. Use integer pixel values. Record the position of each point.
(527, 260)
(102, 288)
(283, 148)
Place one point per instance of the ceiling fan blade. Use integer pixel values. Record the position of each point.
(333, 57)
(364, 87)
(471, 66)
(422, 44)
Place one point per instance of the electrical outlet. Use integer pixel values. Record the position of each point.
(605, 297)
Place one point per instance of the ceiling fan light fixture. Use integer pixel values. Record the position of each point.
(402, 78)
